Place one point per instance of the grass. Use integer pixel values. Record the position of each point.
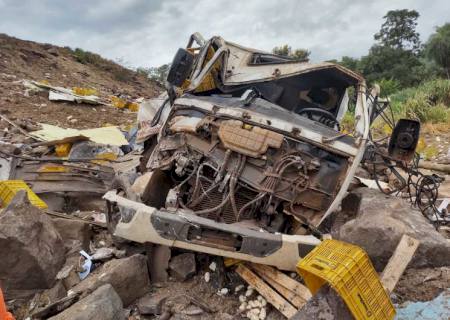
(86, 57)
(429, 102)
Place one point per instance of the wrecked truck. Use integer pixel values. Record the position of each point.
(245, 158)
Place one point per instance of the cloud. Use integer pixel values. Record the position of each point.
(147, 33)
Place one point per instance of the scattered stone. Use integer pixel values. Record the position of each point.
(249, 291)
(207, 276)
(183, 266)
(239, 288)
(31, 248)
(381, 222)
(69, 272)
(242, 298)
(213, 266)
(224, 291)
(75, 234)
(192, 311)
(103, 304)
(104, 253)
(150, 304)
(262, 314)
(128, 276)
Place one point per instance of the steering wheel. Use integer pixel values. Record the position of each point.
(325, 117)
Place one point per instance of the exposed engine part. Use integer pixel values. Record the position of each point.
(230, 171)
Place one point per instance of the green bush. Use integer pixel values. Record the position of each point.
(429, 102)
(388, 86)
(86, 57)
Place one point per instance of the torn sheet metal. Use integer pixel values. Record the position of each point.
(65, 177)
(105, 135)
(372, 184)
(64, 94)
(5, 168)
(87, 149)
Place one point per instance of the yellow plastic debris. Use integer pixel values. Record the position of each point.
(63, 149)
(9, 188)
(133, 106)
(103, 158)
(53, 168)
(347, 268)
(84, 91)
(118, 102)
(124, 104)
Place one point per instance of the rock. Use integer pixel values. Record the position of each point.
(104, 253)
(128, 276)
(53, 51)
(31, 248)
(58, 291)
(213, 266)
(325, 305)
(381, 222)
(224, 291)
(102, 304)
(68, 273)
(183, 266)
(150, 304)
(192, 311)
(158, 262)
(75, 234)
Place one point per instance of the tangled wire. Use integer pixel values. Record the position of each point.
(422, 190)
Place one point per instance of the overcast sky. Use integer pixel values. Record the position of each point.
(148, 32)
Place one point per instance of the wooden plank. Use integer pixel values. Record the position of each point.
(398, 262)
(293, 298)
(283, 279)
(266, 291)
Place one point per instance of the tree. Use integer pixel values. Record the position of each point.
(158, 74)
(438, 47)
(286, 50)
(350, 63)
(385, 62)
(399, 30)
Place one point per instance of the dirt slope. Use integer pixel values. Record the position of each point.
(64, 67)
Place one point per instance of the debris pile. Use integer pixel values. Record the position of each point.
(210, 204)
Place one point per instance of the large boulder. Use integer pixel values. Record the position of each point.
(31, 249)
(76, 234)
(381, 222)
(128, 276)
(326, 304)
(103, 304)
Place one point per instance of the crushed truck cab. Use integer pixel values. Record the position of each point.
(245, 158)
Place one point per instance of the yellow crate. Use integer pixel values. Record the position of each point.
(9, 188)
(347, 268)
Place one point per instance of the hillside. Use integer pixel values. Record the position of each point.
(27, 60)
